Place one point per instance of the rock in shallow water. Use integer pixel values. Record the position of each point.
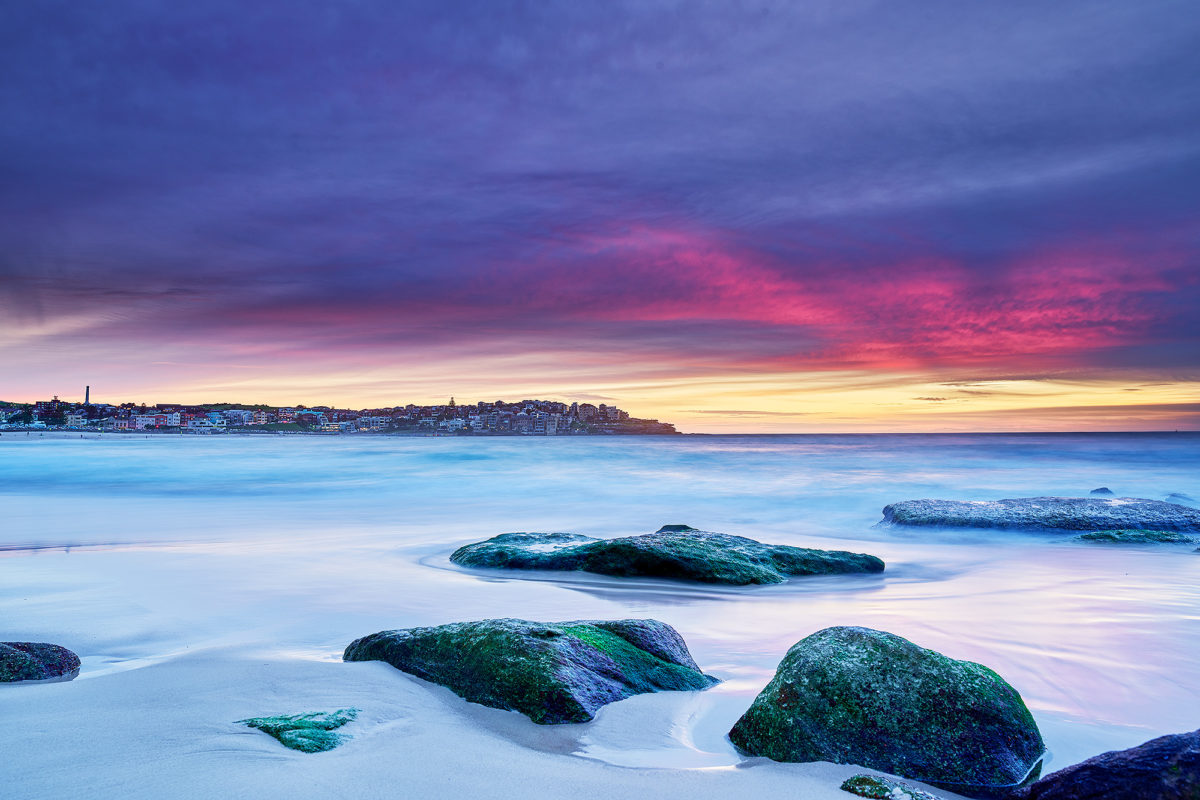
(1046, 513)
(552, 672)
(674, 551)
(308, 733)
(861, 696)
(1103, 490)
(1166, 768)
(1137, 537)
(36, 661)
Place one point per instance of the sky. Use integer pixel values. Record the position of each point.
(758, 217)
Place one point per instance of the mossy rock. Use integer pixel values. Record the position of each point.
(1137, 537)
(1046, 513)
(553, 672)
(308, 733)
(1166, 768)
(876, 787)
(674, 551)
(36, 661)
(861, 696)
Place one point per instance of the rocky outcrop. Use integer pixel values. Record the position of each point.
(1103, 491)
(1047, 514)
(552, 672)
(861, 696)
(1137, 537)
(1166, 768)
(308, 733)
(674, 551)
(36, 661)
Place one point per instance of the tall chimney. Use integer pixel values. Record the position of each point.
(87, 395)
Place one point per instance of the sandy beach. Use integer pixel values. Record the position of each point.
(209, 579)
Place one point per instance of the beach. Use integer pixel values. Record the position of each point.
(204, 580)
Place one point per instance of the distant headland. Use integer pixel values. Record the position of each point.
(497, 418)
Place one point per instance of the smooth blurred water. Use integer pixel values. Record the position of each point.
(136, 549)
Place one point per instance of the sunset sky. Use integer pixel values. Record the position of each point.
(841, 216)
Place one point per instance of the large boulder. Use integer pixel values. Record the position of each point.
(1137, 537)
(674, 551)
(1166, 768)
(1046, 513)
(861, 696)
(36, 661)
(552, 672)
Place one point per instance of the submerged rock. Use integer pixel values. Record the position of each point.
(552, 672)
(861, 696)
(308, 733)
(674, 551)
(1046, 513)
(1103, 490)
(1137, 537)
(1166, 768)
(36, 661)
(1179, 497)
(878, 787)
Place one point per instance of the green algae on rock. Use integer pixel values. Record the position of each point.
(552, 672)
(1135, 536)
(878, 787)
(36, 661)
(674, 551)
(308, 733)
(860, 696)
(1046, 513)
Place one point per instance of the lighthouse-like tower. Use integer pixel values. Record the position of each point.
(87, 395)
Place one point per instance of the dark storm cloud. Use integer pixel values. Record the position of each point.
(725, 178)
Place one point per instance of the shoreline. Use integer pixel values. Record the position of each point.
(94, 435)
(211, 583)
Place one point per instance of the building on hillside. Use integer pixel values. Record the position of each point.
(238, 416)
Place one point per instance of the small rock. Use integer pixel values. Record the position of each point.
(877, 787)
(552, 672)
(861, 696)
(1137, 537)
(308, 733)
(1166, 768)
(1103, 490)
(673, 551)
(36, 661)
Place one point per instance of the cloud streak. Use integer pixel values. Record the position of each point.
(631, 193)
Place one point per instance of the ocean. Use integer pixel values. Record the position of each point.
(142, 552)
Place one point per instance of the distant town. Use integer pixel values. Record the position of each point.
(498, 418)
